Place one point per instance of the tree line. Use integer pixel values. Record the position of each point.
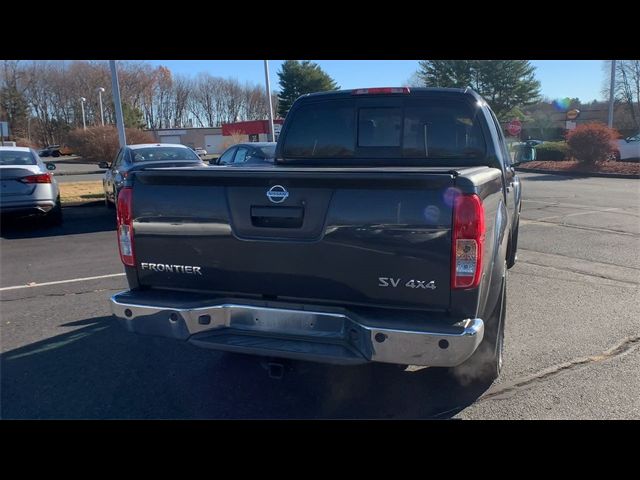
(41, 99)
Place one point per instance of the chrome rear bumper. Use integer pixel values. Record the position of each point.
(300, 333)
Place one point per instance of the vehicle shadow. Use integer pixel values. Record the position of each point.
(77, 220)
(98, 370)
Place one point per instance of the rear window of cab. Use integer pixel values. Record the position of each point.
(415, 128)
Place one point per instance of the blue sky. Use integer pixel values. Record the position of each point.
(559, 78)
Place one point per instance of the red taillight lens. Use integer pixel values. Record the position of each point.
(40, 178)
(468, 241)
(380, 91)
(125, 227)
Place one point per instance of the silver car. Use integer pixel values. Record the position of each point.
(27, 186)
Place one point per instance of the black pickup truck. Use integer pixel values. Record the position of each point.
(382, 233)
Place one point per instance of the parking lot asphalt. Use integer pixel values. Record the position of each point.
(572, 345)
(68, 171)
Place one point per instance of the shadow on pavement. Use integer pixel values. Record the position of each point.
(77, 220)
(102, 371)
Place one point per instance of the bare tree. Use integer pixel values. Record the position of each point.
(182, 90)
(52, 92)
(13, 103)
(627, 87)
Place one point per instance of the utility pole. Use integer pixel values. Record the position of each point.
(611, 92)
(115, 88)
(272, 135)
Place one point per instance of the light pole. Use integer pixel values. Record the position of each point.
(272, 135)
(84, 123)
(115, 89)
(100, 92)
(611, 92)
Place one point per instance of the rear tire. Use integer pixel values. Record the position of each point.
(485, 365)
(54, 217)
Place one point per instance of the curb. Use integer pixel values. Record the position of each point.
(578, 174)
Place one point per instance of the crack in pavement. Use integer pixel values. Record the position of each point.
(60, 294)
(624, 283)
(575, 206)
(520, 249)
(509, 389)
(580, 282)
(581, 227)
(506, 390)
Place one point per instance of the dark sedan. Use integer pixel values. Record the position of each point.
(136, 157)
(252, 153)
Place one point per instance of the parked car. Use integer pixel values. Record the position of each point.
(382, 232)
(251, 153)
(138, 157)
(200, 151)
(28, 187)
(50, 151)
(628, 148)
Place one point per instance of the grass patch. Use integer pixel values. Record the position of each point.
(81, 192)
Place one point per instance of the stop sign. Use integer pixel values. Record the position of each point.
(514, 127)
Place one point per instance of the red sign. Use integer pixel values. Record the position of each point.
(514, 127)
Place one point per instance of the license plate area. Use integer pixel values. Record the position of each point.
(287, 322)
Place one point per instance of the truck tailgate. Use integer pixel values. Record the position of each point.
(336, 236)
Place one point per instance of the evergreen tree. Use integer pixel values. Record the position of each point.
(506, 84)
(298, 78)
(133, 117)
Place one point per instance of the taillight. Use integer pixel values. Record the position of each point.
(39, 178)
(125, 227)
(380, 90)
(468, 241)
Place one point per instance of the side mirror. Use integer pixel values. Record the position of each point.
(103, 165)
(50, 166)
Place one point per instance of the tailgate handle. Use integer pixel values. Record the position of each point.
(277, 217)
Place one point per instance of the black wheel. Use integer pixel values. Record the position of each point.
(512, 256)
(485, 364)
(54, 217)
(55, 154)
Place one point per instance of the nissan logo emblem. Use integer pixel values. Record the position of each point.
(277, 194)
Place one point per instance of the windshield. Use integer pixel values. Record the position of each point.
(163, 154)
(413, 128)
(14, 157)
